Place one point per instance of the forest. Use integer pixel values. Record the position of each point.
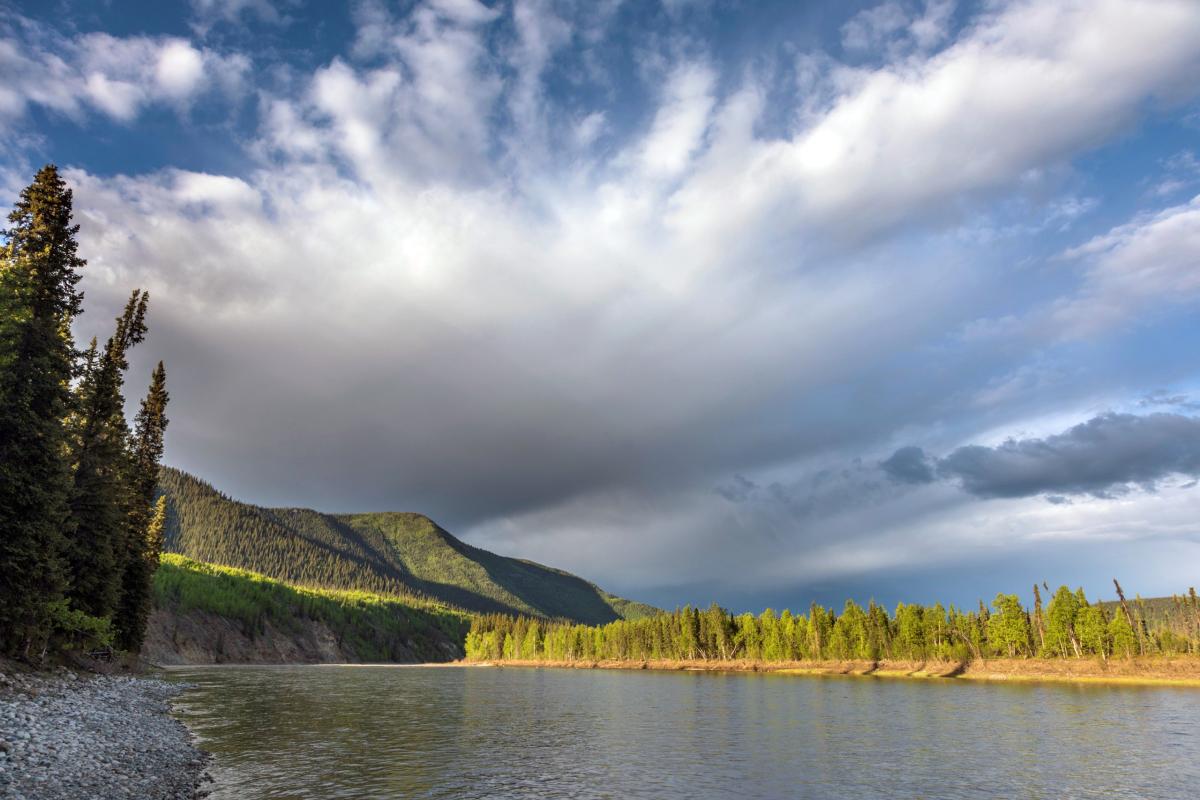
(1068, 626)
(80, 517)
(373, 627)
(392, 553)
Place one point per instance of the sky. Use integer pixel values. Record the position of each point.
(754, 302)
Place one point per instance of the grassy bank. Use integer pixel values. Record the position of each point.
(372, 627)
(1160, 671)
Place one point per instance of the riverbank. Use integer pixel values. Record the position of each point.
(1162, 671)
(71, 736)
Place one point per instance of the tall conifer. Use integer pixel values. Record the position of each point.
(145, 519)
(39, 270)
(102, 496)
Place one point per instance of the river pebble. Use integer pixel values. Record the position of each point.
(67, 735)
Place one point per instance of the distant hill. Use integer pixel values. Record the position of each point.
(1156, 611)
(390, 553)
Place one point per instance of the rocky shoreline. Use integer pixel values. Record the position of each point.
(70, 735)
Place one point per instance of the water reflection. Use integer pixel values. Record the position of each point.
(382, 732)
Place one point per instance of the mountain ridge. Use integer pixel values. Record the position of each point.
(392, 553)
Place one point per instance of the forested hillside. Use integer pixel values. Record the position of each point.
(210, 614)
(386, 553)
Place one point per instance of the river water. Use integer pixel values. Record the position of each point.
(463, 732)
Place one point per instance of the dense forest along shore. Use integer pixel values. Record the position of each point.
(1151, 671)
(66, 735)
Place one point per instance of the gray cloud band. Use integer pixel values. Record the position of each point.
(1102, 457)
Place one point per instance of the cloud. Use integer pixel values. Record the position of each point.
(424, 114)
(1161, 397)
(1155, 259)
(872, 28)
(207, 13)
(115, 76)
(1181, 171)
(180, 69)
(894, 29)
(679, 126)
(1020, 89)
(476, 268)
(1101, 457)
(933, 26)
(909, 465)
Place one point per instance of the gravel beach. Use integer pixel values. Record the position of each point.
(67, 735)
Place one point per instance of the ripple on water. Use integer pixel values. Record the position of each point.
(328, 732)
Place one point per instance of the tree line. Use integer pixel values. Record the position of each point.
(1069, 626)
(81, 526)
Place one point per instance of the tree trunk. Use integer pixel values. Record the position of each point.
(1129, 617)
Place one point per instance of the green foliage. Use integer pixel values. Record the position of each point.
(39, 269)
(1060, 624)
(373, 627)
(1008, 629)
(913, 633)
(145, 517)
(78, 630)
(103, 496)
(386, 553)
(1091, 627)
(910, 630)
(1179, 613)
(74, 502)
(1124, 642)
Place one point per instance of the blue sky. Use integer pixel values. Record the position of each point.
(755, 302)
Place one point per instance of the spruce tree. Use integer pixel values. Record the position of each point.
(39, 270)
(145, 519)
(102, 497)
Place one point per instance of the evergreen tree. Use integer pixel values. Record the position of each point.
(145, 521)
(1039, 619)
(879, 632)
(910, 631)
(102, 497)
(690, 630)
(39, 270)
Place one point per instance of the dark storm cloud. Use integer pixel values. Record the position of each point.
(909, 465)
(1101, 457)
(738, 490)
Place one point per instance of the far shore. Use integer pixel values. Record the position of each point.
(1181, 671)
(1155, 671)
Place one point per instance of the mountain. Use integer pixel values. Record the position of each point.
(387, 553)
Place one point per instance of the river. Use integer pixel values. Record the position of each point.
(398, 732)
